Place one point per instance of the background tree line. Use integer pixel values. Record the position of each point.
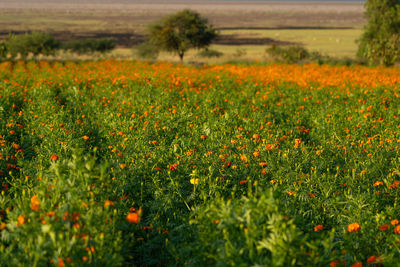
(40, 43)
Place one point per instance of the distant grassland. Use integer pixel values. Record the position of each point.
(333, 42)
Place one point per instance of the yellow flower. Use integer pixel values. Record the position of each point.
(194, 181)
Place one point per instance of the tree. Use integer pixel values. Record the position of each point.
(380, 42)
(182, 31)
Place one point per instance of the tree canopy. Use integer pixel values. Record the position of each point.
(380, 42)
(182, 31)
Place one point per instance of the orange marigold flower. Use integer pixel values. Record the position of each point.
(35, 203)
(394, 222)
(397, 230)
(384, 227)
(60, 262)
(243, 181)
(3, 226)
(21, 220)
(334, 263)
(54, 157)
(371, 259)
(378, 183)
(90, 249)
(256, 136)
(243, 158)
(394, 185)
(269, 147)
(86, 137)
(133, 217)
(357, 264)
(353, 227)
(256, 154)
(297, 142)
(203, 136)
(173, 167)
(108, 203)
(319, 227)
(16, 146)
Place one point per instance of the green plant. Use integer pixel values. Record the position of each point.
(209, 53)
(240, 52)
(290, 54)
(380, 42)
(3, 50)
(246, 231)
(182, 31)
(35, 43)
(89, 46)
(146, 51)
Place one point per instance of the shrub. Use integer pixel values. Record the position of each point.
(290, 54)
(89, 46)
(35, 43)
(146, 51)
(240, 52)
(209, 53)
(3, 50)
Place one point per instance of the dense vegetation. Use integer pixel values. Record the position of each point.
(43, 44)
(380, 42)
(228, 165)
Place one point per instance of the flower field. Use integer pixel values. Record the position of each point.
(119, 163)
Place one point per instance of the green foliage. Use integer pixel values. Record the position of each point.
(290, 54)
(146, 51)
(210, 53)
(249, 231)
(299, 54)
(89, 46)
(3, 50)
(35, 43)
(182, 31)
(380, 42)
